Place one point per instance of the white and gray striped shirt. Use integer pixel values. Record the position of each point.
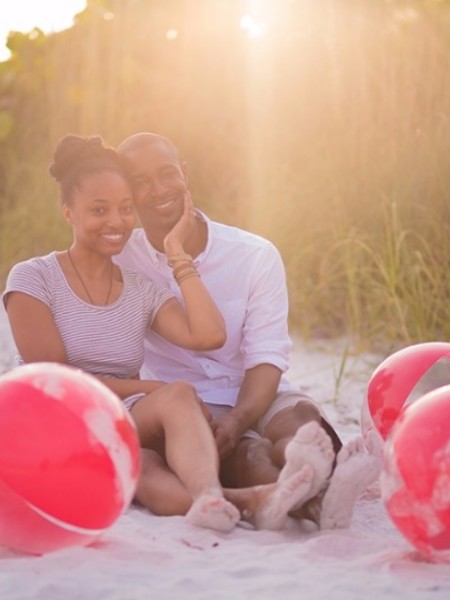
(103, 340)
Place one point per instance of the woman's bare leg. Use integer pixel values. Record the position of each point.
(159, 489)
(263, 506)
(171, 418)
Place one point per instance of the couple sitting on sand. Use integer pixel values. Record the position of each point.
(185, 319)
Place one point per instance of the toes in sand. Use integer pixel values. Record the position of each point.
(355, 471)
(213, 512)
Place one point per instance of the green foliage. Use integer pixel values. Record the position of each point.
(329, 135)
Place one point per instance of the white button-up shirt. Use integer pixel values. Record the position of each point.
(245, 275)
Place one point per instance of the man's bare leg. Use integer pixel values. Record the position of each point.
(255, 462)
(250, 464)
(309, 460)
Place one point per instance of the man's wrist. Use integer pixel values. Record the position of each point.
(173, 248)
(242, 418)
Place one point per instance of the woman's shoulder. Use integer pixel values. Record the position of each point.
(34, 276)
(35, 264)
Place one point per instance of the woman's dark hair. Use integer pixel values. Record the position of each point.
(76, 157)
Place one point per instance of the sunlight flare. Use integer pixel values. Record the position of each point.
(25, 15)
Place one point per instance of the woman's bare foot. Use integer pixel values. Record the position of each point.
(213, 512)
(355, 471)
(311, 446)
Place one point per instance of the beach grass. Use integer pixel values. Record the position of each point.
(329, 135)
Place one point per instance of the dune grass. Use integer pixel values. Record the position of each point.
(330, 135)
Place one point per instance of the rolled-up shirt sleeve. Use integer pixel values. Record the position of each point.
(265, 333)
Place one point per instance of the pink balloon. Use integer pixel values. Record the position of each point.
(415, 483)
(69, 458)
(395, 378)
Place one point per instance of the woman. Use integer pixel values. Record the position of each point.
(77, 307)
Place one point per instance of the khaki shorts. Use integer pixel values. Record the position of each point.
(282, 401)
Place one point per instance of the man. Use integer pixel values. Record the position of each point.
(256, 413)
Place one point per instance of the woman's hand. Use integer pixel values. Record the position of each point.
(175, 239)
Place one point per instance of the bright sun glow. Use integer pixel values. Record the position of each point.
(24, 15)
(55, 15)
(252, 26)
(259, 16)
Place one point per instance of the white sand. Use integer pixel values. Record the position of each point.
(146, 557)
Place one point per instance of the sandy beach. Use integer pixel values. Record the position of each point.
(143, 556)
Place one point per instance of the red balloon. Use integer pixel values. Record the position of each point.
(69, 458)
(415, 482)
(396, 377)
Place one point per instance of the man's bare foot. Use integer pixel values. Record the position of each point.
(213, 512)
(355, 471)
(273, 511)
(311, 446)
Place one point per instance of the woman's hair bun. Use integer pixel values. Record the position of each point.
(73, 151)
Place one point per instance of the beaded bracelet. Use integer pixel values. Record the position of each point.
(193, 273)
(184, 267)
(177, 258)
